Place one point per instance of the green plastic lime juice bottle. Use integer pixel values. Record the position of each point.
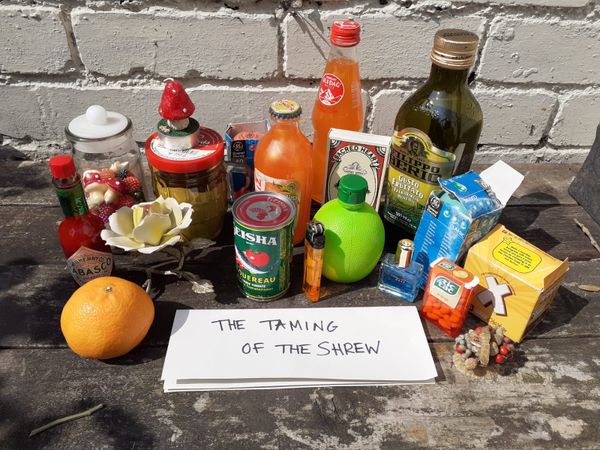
(435, 133)
(354, 233)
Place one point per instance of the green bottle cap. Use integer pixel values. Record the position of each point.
(352, 189)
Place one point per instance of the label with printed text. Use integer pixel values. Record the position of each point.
(331, 90)
(415, 167)
(86, 264)
(289, 188)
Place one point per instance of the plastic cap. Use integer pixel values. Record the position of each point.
(62, 166)
(285, 109)
(345, 33)
(97, 123)
(352, 189)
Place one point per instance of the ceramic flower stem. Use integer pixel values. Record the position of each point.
(178, 254)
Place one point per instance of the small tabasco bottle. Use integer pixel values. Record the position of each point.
(87, 254)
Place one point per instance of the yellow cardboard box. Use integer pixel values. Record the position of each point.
(517, 281)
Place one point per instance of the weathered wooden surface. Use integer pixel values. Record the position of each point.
(28, 182)
(549, 397)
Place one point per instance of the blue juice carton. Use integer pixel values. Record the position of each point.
(241, 140)
(466, 208)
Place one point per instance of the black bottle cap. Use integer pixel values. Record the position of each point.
(315, 234)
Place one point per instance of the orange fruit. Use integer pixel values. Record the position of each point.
(106, 317)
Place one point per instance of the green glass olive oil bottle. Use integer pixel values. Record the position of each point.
(435, 133)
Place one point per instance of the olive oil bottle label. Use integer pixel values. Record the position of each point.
(415, 167)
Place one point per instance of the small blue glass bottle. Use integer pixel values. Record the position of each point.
(400, 275)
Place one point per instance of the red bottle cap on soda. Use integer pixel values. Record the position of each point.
(62, 166)
(345, 33)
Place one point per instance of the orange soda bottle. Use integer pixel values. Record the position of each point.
(339, 101)
(282, 161)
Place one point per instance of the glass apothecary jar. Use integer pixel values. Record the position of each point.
(108, 160)
(188, 166)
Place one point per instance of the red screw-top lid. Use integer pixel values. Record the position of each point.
(62, 166)
(345, 33)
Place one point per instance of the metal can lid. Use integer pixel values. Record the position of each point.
(264, 210)
(285, 109)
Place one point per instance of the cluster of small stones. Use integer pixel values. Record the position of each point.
(477, 348)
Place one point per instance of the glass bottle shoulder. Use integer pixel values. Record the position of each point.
(430, 102)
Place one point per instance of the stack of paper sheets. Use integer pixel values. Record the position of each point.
(296, 347)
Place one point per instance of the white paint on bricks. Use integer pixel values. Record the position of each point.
(536, 50)
(208, 45)
(32, 40)
(577, 119)
(391, 47)
(538, 78)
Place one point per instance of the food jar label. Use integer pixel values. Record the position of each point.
(331, 90)
(263, 256)
(445, 290)
(289, 188)
(86, 264)
(415, 167)
(188, 154)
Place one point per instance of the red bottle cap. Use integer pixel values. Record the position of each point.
(345, 33)
(62, 166)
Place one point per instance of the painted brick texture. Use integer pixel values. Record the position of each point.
(537, 75)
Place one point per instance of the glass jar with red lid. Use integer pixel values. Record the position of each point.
(188, 166)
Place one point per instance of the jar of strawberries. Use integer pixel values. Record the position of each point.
(108, 160)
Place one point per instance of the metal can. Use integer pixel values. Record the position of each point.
(263, 236)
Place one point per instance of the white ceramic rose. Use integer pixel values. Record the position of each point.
(148, 227)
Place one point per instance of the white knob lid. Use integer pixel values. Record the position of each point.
(98, 123)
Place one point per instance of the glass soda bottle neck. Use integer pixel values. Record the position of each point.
(337, 52)
(291, 123)
(447, 79)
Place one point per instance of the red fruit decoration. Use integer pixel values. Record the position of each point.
(175, 104)
(132, 184)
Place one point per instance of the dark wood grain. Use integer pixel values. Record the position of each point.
(32, 298)
(549, 227)
(546, 399)
(28, 182)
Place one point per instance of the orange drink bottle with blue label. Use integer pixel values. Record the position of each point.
(339, 101)
(282, 162)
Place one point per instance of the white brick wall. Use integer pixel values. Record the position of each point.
(32, 40)
(198, 44)
(537, 76)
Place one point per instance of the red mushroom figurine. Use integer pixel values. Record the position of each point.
(175, 105)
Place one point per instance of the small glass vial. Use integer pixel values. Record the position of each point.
(313, 259)
(399, 274)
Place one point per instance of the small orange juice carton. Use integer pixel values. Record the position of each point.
(517, 281)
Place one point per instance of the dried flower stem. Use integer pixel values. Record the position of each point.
(87, 412)
(588, 233)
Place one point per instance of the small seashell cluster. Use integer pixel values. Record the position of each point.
(476, 348)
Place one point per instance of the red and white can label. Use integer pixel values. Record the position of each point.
(86, 264)
(331, 90)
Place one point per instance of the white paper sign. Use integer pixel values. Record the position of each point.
(299, 347)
